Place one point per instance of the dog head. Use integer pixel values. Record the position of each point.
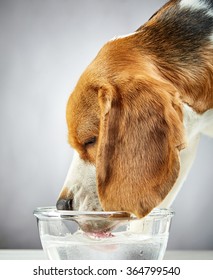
(126, 121)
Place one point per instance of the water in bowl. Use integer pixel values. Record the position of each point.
(123, 246)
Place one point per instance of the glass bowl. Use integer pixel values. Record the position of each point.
(77, 235)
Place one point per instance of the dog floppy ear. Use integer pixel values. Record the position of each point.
(140, 136)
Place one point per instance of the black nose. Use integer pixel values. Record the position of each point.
(64, 204)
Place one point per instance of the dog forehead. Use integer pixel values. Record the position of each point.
(82, 114)
(82, 104)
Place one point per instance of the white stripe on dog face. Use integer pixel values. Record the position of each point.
(78, 171)
(80, 184)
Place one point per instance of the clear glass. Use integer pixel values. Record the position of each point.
(74, 235)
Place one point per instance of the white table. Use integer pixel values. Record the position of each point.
(39, 255)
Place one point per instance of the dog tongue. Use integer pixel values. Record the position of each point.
(100, 234)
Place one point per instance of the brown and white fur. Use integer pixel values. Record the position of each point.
(137, 112)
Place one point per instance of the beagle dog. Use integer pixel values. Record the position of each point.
(137, 112)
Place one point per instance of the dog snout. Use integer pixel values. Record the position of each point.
(65, 200)
(64, 204)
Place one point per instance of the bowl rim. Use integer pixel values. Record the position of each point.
(52, 212)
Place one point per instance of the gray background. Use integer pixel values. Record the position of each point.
(44, 47)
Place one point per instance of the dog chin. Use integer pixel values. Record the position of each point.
(86, 203)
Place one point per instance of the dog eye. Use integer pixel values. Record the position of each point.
(90, 141)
